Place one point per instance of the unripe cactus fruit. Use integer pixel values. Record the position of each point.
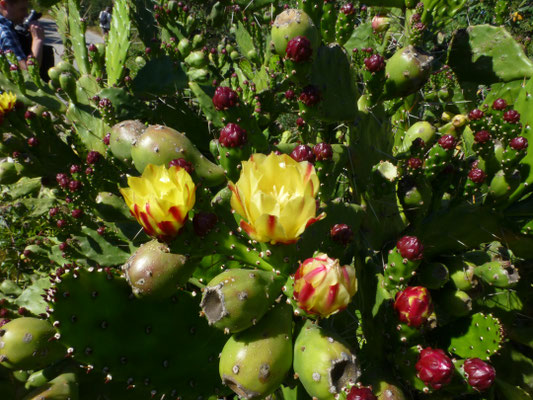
(410, 248)
(380, 23)
(290, 24)
(302, 152)
(434, 367)
(413, 305)
(28, 343)
(299, 49)
(236, 299)
(406, 71)
(253, 363)
(123, 136)
(232, 135)
(323, 363)
(225, 98)
(152, 271)
(480, 375)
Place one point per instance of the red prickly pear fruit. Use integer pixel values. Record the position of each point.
(204, 222)
(511, 116)
(323, 151)
(225, 98)
(232, 135)
(413, 305)
(182, 163)
(341, 233)
(302, 152)
(289, 94)
(154, 272)
(26, 343)
(415, 163)
(499, 104)
(482, 137)
(310, 95)
(290, 24)
(434, 367)
(447, 142)
(476, 114)
(299, 49)
(93, 157)
(360, 393)
(518, 143)
(348, 9)
(375, 63)
(480, 375)
(410, 248)
(477, 175)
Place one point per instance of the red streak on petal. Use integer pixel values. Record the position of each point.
(136, 211)
(345, 274)
(314, 272)
(271, 225)
(332, 294)
(311, 221)
(146, 224)
(147, 208)
(176, 213)
(235, 191)
(306, 292)
(249, 229)
(308, 172)
(168, 228)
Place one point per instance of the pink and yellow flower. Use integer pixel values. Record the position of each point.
(322, 286)
(161, 199)
(7, 102)
(276, 197)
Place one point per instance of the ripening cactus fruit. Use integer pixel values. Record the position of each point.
(290, 24)
(123, 136)
(406, 71)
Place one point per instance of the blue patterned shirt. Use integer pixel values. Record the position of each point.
(9, 39)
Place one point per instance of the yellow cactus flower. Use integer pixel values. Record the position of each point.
(7, 102)
(276, 197)
(161, 199)
(322, 286)
(517, 16)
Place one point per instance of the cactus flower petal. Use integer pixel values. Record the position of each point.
(275, 195)
(161, 199)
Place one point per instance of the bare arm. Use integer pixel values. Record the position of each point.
(37, 35)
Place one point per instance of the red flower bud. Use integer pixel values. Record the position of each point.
(93, 157)
(341, 233)
(410, 248)
(323, 151)
(232, 135)
(518, 143)
(476, 175)
(375, 63)
(511, 116)
(310, 95)
(413, 305)
(480, 375)
(299, 49)
(225, 98)
(482, 136)
(303, 152)
(182, 163)
(434, 367)
(447, 142)
(360, 393)
(475, 114)
(499, 104)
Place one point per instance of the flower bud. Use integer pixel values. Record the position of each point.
(410, 248)
(480, 375)
(299, 49)
(434, 367)
(323, 287)
(225, 98)
(413, 305)
(303, 152)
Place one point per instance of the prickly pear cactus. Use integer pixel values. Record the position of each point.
(313, 199)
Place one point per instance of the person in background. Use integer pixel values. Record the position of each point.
(105, 20)
(13, 12)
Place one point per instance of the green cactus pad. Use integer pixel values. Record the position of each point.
(479, 336)
(487, 54)
(159, 347)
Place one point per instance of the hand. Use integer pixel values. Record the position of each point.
(37, 31)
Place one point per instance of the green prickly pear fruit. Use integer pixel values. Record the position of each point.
(237, 298)
(197, 59)
(198, 41)
(389, 391)
(406, 71)
(123, 137)
(323, 363)
(159, 145)
(403, 261)
(501, 274)
(67, 81)
(8, 172)
(28, 343)
(291, 23)
(65, 66)
(53, 74)
(433, 275)
(419, 130)
(63, 387)
(253, 363)
(184, 47)
(154, 272)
